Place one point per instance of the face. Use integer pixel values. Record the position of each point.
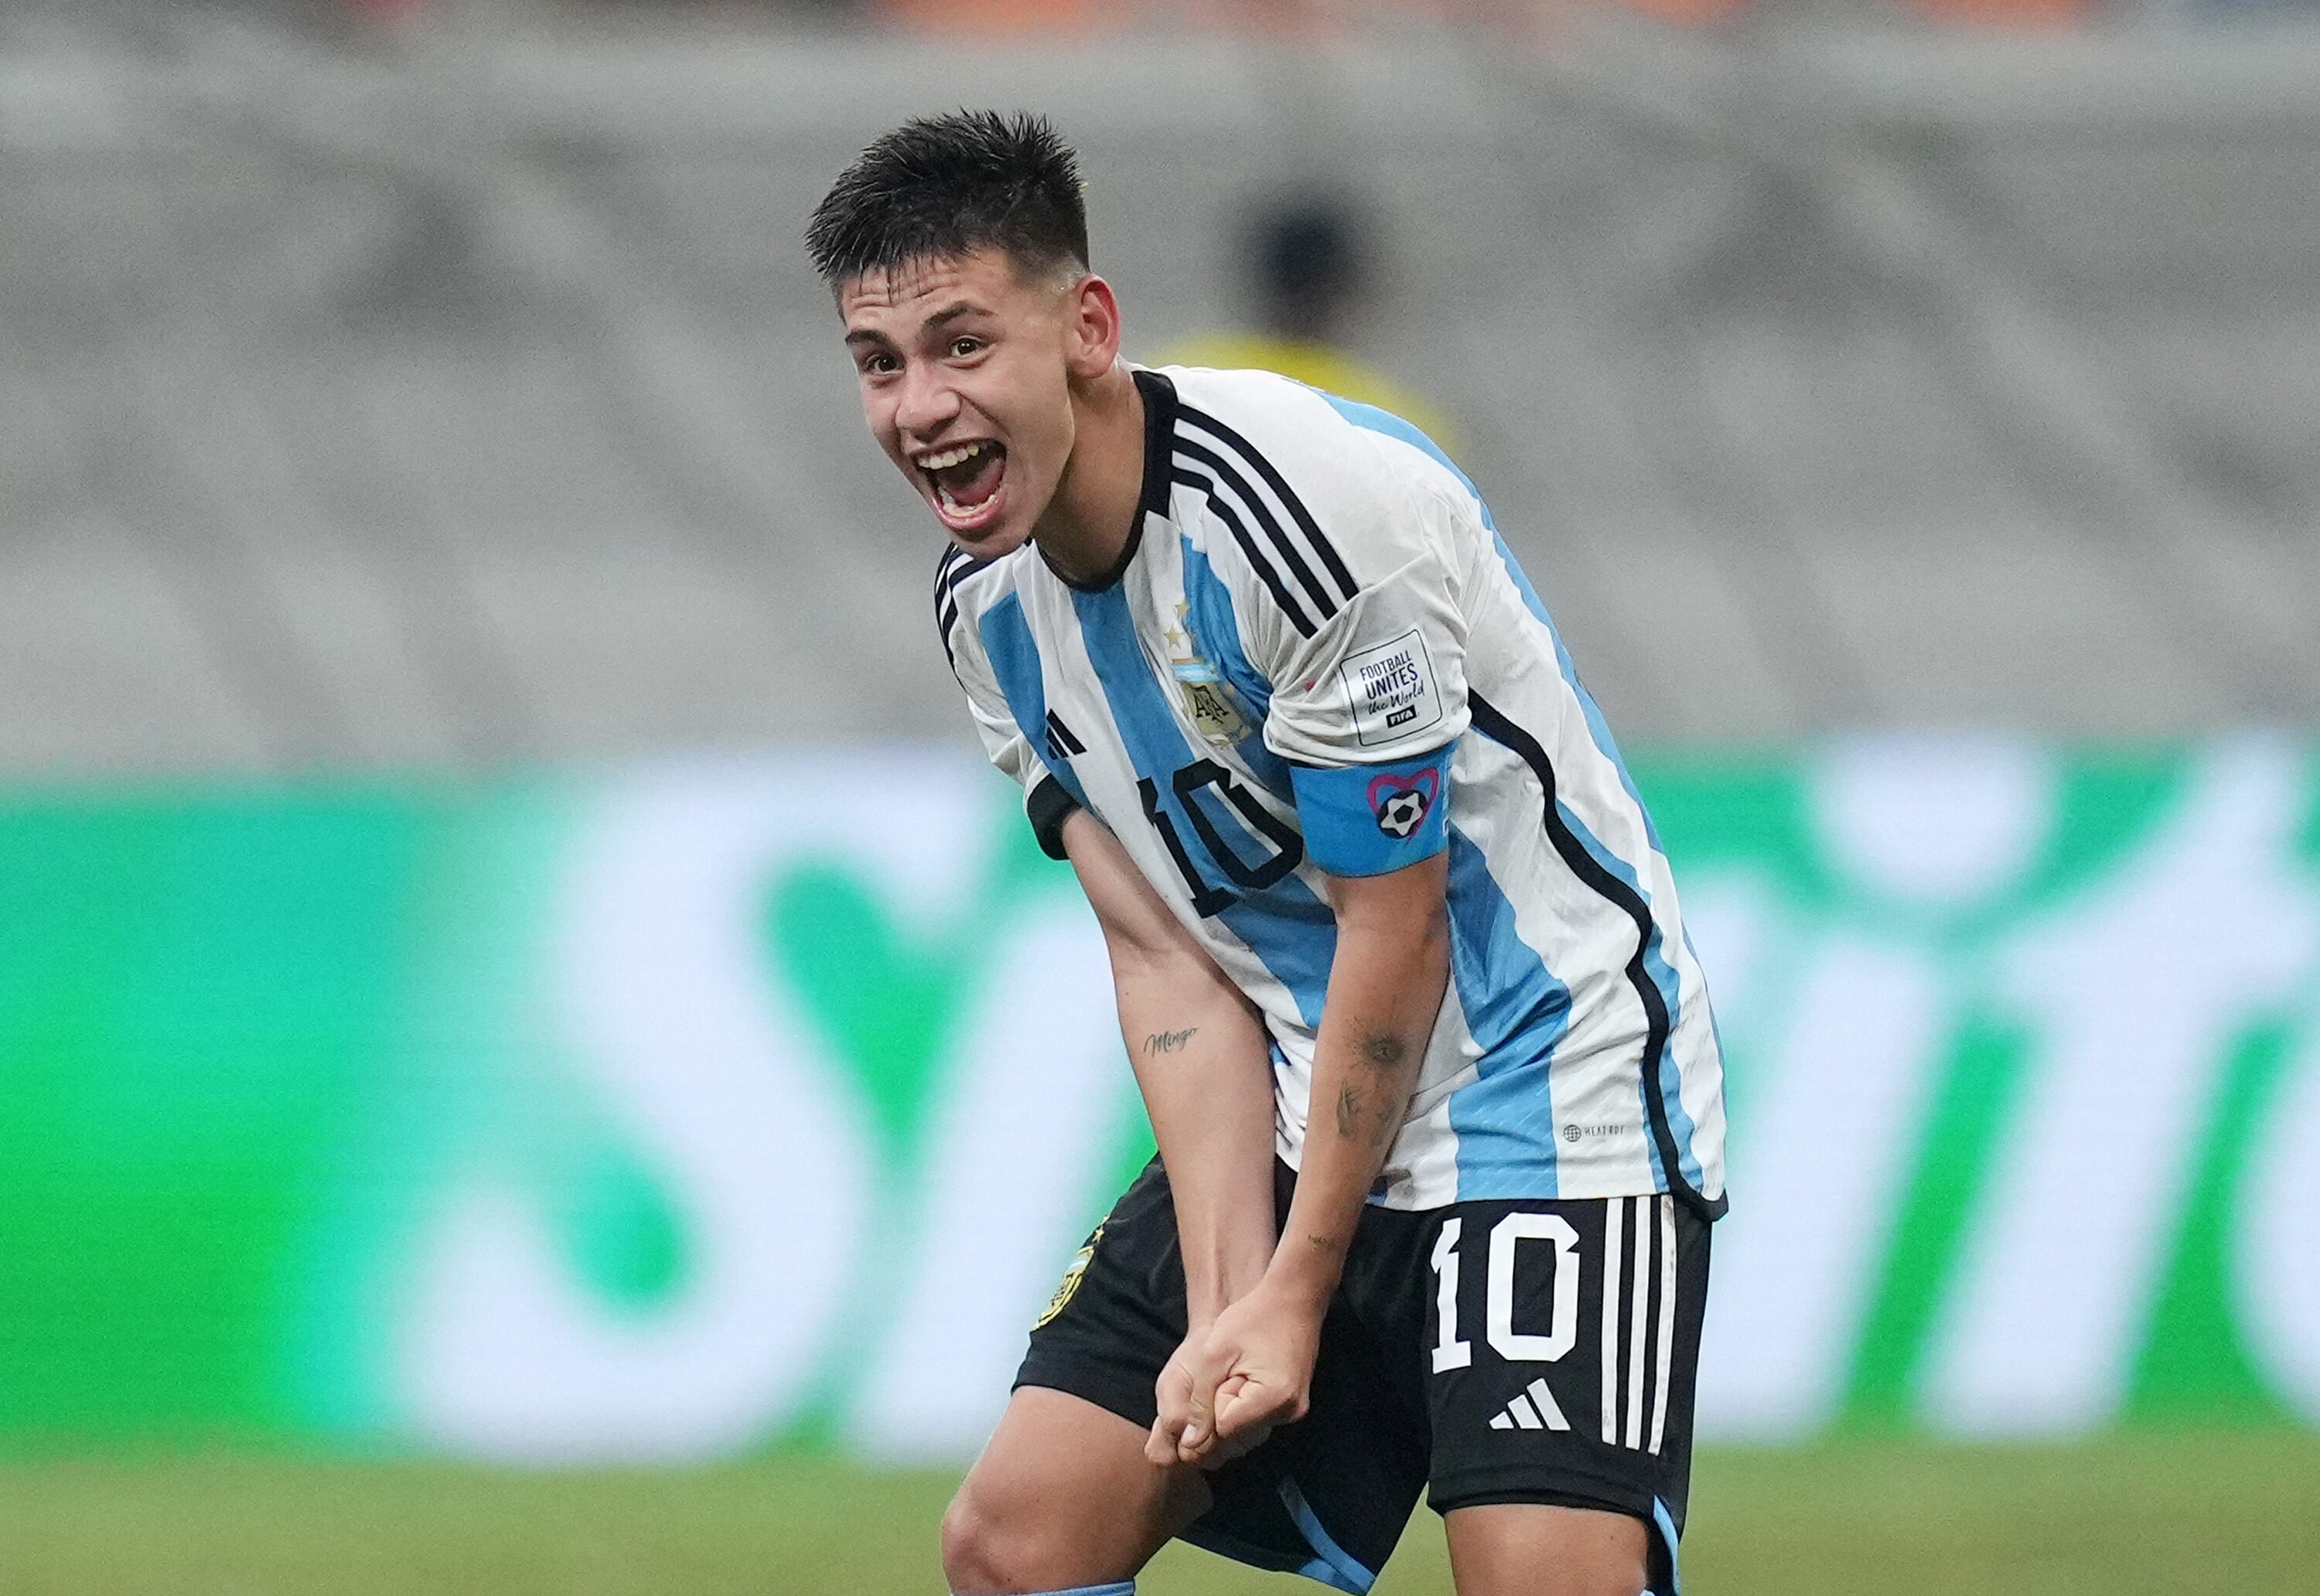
(967, 367)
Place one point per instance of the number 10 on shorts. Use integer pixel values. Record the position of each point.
(1634, 1351)
(1507, 1238)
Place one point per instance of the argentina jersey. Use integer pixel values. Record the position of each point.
(1317, 658)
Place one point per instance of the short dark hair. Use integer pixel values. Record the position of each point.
(942, 185)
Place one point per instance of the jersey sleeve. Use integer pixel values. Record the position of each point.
(1367, 669)
(1046, 801)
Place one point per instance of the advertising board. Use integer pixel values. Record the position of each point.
(695, 1108)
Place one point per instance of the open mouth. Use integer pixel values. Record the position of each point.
(967, 480)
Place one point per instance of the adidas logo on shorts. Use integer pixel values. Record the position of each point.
(1533, 1408)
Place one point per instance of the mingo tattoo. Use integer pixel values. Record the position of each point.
(1169, 1041)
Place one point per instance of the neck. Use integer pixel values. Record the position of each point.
(1087, 525)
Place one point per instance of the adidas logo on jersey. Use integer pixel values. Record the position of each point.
(1533, 1408)
(1061, 744)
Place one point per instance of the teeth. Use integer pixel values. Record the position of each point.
(951, 457)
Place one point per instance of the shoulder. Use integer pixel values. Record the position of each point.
(1321, 496)
(965, 589)
(1263, 417)
(1339, 459)
(1307, 432)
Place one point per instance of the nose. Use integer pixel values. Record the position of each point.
(926, 402)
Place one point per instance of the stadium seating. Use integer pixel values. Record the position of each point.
(473, 403)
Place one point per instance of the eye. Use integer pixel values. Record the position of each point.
(880, 364)
(964, 345)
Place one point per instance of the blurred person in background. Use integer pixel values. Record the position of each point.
(1309, 267)
(1440, 1215)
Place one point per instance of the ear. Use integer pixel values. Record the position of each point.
(1090, 328)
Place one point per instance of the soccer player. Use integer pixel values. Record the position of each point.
(1397, 955)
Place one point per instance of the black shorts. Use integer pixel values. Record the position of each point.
(1542, 1387)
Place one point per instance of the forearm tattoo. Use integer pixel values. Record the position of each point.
(1381, 1051)
(1169, 1041)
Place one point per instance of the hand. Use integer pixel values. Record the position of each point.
(1224, 1390)
(1174, 1391)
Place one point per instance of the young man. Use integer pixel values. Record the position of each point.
(1397, 957)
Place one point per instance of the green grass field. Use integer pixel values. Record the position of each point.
(2226, 1513)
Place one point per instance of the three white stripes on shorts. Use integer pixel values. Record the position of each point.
(1636, 1354)
(1627, 1314)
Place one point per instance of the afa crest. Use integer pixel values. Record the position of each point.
(1068, 1287)
(1208, 698)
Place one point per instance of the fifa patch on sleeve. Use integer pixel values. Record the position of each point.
(1391, 691)
(1369, 819)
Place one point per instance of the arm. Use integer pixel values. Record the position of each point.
(1200, 1053)
(1201, 1061)
(1367, 704)
(1385, 990)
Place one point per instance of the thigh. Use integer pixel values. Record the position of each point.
(1062, 1497)
(1561, 1340)
(1533, 1549)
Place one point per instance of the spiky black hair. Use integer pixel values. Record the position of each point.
(942, 185)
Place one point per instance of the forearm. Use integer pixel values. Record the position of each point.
(1203, 1063)
(1203, 1067)
(1385, 991)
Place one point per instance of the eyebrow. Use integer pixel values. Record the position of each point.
(944, 317)
(940, 318)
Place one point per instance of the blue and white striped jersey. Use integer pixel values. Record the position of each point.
(1319, 657)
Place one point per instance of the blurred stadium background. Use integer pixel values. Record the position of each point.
(534, 1059)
